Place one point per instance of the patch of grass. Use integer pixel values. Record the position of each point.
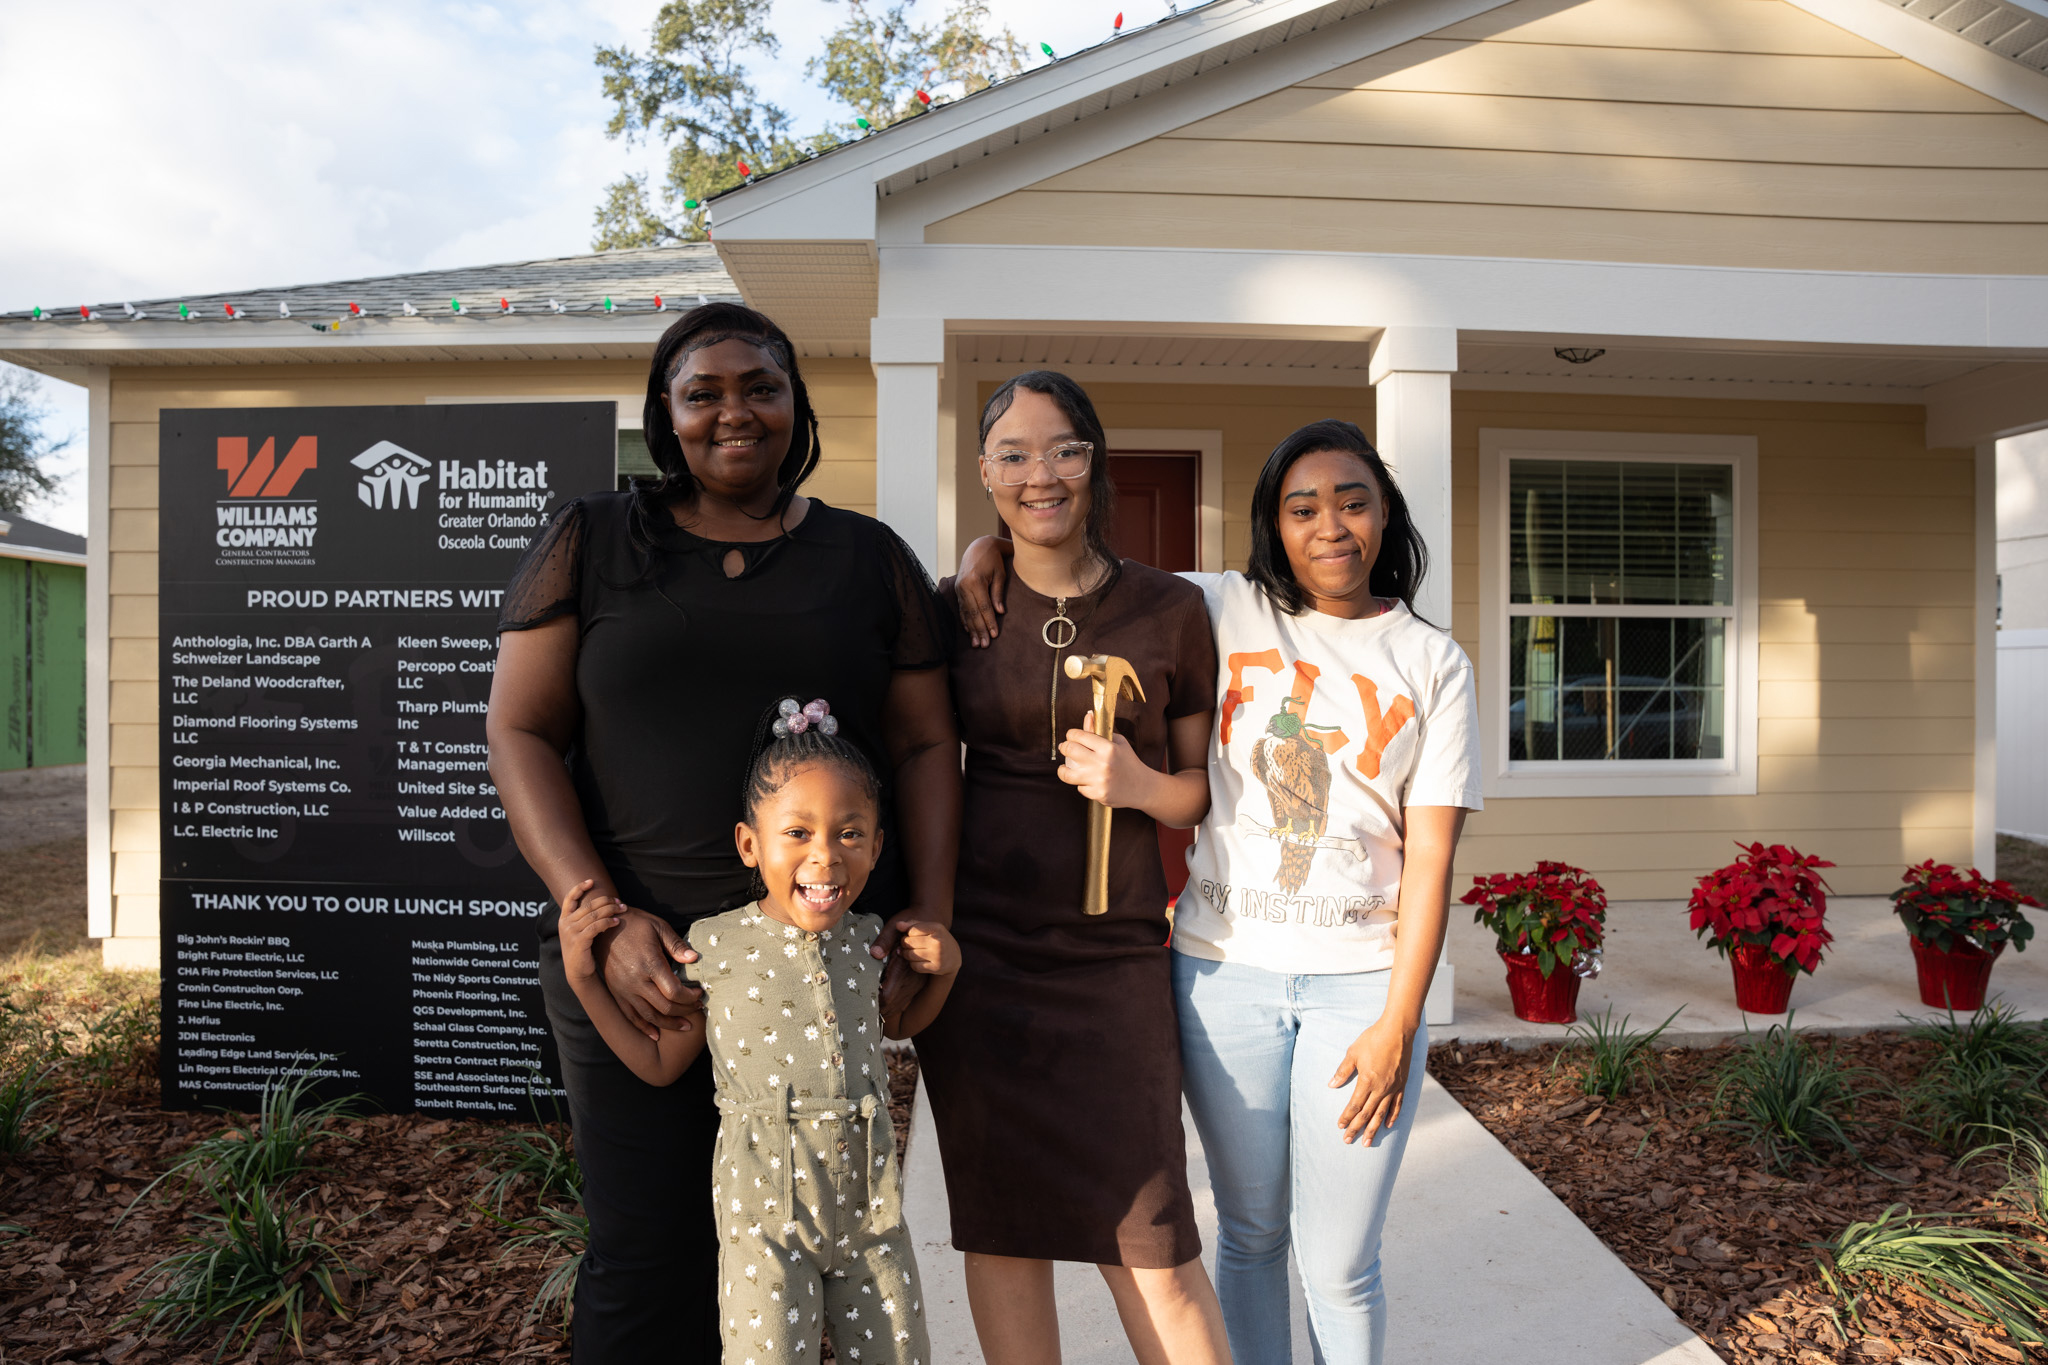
(1987, 1275)
(1615, 1057)
(276, 1144)
(2024, 863)
(21, 1095)
(1787, 1099)
(1996, 1036)
(120, 1042)
(49, 1004)
(1985, 1078)
(529, 1157)
(558, 1232)
(261, 1260)
(42, 899)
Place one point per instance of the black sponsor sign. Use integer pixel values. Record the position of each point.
(339, 881)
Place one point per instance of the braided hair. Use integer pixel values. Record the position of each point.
(793, 736)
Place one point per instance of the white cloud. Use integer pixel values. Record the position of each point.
(225, 144)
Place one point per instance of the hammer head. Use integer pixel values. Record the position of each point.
(1114, 676)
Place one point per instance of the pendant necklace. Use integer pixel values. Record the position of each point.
(1059, 632)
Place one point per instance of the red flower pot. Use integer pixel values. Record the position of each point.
(1762, 985)
(1956, 979)
(1537, 1001)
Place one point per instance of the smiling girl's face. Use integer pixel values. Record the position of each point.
(814, 841)
(1045, 510)
(733, 409)
(1332, 515)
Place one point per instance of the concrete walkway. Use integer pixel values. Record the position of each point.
(1654, 965)
(1473, 1248)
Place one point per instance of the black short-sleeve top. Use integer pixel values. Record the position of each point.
(677, 662)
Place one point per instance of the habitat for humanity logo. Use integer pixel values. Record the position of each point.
(259, 521)
(392, 475)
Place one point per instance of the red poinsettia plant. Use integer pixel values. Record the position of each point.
(1557, 912)
(1944, 908)
(1772, 896)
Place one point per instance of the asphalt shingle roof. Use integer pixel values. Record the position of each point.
(17, 531)
(630, 278)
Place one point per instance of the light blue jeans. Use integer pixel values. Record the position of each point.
(1258, 1049)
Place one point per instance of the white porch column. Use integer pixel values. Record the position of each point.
(1984, 797)
(908, 355)
(1411, 376)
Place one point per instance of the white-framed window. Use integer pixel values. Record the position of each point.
(1618, 613)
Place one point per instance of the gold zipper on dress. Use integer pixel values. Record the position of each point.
(1045, 632)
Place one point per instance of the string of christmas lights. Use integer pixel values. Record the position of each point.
(234, 312)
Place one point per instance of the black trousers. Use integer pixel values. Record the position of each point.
(648, 1290)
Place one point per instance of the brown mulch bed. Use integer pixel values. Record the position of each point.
(1698, 1216)
(432, 1278)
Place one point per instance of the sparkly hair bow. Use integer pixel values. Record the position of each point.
(794, 719)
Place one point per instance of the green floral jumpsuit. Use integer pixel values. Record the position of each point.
(808, 1197)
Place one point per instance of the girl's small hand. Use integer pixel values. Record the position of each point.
(1105, 770)
(584, 917)
(929, 947)
(1380, 1058)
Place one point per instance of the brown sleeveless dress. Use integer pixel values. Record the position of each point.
(1054, 1070)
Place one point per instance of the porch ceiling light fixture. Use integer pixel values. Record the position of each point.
(1578, 355)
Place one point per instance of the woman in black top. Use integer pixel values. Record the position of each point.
(644, 632)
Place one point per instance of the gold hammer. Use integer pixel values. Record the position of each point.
(1112, 678)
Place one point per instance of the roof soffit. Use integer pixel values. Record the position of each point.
(1179, 70)
(1998, 48)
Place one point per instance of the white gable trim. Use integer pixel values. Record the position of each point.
(839, 190)
(1947, 54)
(903, 217)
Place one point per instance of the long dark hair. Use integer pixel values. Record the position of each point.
(1403, 559)
(707, 325)
(1074, 402)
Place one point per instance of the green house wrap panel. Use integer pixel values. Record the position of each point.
(14, 724)
(633, 456)
(57, 670)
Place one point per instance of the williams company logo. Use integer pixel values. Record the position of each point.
(259, 521)
(392, 475)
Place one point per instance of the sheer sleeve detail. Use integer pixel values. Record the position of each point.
(549, 580)
(921, 636)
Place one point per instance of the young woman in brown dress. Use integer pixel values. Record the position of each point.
(1054, 1072)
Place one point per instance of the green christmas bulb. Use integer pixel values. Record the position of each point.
(864, 124)
(1046, 48)
(36, 313)
(455, 305)
(607, 303)
(184, 312)
(690, 203)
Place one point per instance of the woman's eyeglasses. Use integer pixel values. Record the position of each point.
(1067, 461)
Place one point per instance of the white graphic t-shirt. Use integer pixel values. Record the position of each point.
(1326, 730)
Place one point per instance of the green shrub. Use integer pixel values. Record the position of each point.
(1787, 1099)
(1984, 1079)
(558, 1232)
(120, 1042)
(21, 1095)
(1987, 1275)
(259, 1261)
(1615, 1057)
(1996, 1036)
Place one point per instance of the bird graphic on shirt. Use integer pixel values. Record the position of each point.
(1295, 771)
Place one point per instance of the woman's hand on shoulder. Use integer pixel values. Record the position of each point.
(638, 972)
(978, 588)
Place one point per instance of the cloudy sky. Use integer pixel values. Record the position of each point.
(223, 144)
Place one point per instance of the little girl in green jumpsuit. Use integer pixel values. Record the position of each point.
(806, 1190)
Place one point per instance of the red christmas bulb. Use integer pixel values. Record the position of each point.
(659, 306)
(84, 313)
(355, 310)
(743, 168)
(1118, 26)
(923, 98)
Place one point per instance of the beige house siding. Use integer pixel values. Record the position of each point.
(842, 392)
(1704, 132)
(1866, 584)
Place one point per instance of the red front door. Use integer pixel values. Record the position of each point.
(1158, 523)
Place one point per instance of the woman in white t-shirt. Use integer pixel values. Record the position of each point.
(1345, 756)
